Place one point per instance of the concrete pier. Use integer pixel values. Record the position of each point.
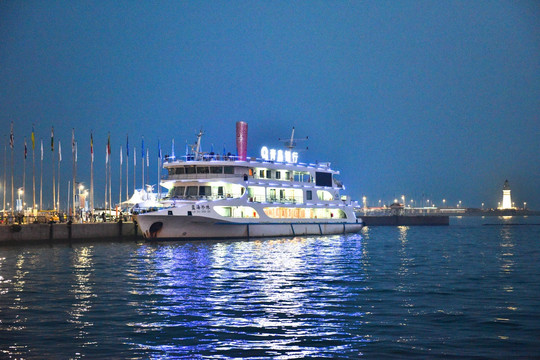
(65, 232)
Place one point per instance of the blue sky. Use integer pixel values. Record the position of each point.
(432, 98)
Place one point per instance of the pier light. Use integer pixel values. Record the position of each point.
(403, 199)
(459, 204)
(524, 205)
(444, 202)
(482, 206)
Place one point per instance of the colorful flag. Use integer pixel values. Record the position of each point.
(25, 148)
(41, 149)
(92, 146)
(121, 155)
(33, 139)
(159, 149)
(134, 157)
(59, 151)
(73, 140)
(106, 154)
(75, 152)
(11, 138)
(147, 158)
(52, 138)
(109, 144)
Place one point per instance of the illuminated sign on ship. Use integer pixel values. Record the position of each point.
(279, 155)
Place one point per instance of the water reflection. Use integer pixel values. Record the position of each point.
(267, 297)
(82, 292)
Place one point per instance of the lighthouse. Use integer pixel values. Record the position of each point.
(507, 198)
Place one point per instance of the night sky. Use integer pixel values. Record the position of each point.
(427, 99)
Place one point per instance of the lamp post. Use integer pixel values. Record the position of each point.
(443, 202)
(20, 191)
(524, 205)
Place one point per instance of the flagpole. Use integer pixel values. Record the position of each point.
(59, 161)
(127, 167)
(106, 177)
(12, 191)
(4, 179)
(159, 171)
(134, 168)
(41, 180)
(110, 170)
(142, 162)
(33, 172)
(91, 173)
(24, 176)
(73, 172)
(120, 196)
(53, 180)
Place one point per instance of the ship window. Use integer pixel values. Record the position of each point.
(220, 190)
(171, 171)
(228, 169)
(324, 195)
(216, 170)
(205, 191)
(278, 175)
(304, 213)
(250, 172)
(268, 174)
(192, 191)
(180, 170)
(190, 169)
(236, 211)
(323, 179)
(177, 191)
(288, 175)
(261, 174)
(202, 170)
(309, 195)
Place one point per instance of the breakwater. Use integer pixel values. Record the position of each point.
(65, 232)
(404, 220)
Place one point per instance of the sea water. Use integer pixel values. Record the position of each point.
(471, 289)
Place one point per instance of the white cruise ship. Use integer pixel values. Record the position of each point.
(218, 196)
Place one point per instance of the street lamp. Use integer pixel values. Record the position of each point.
(20, 191)
(524, 205)
(444, 202)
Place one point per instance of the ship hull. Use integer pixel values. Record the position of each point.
(200, 227)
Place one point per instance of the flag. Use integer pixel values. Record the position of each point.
(75, 152)
(59, 151)
(134, 157)
(106, 154)
(120, 154)
(172, 149)
(159, 149)
(73, 140)
(127, 145)
(109, 145)
(41, 149)
(11, 138)
(147, 158)
(142, 148)
(25, 148)
(52, 138)
(33, 139)
(92, 146)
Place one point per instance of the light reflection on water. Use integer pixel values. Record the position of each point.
(392, 292)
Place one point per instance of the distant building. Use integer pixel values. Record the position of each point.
(507, 198)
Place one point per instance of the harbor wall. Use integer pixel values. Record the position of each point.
(403, 220)
(43, 233)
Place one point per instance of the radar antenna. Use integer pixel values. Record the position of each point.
(291, 143)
